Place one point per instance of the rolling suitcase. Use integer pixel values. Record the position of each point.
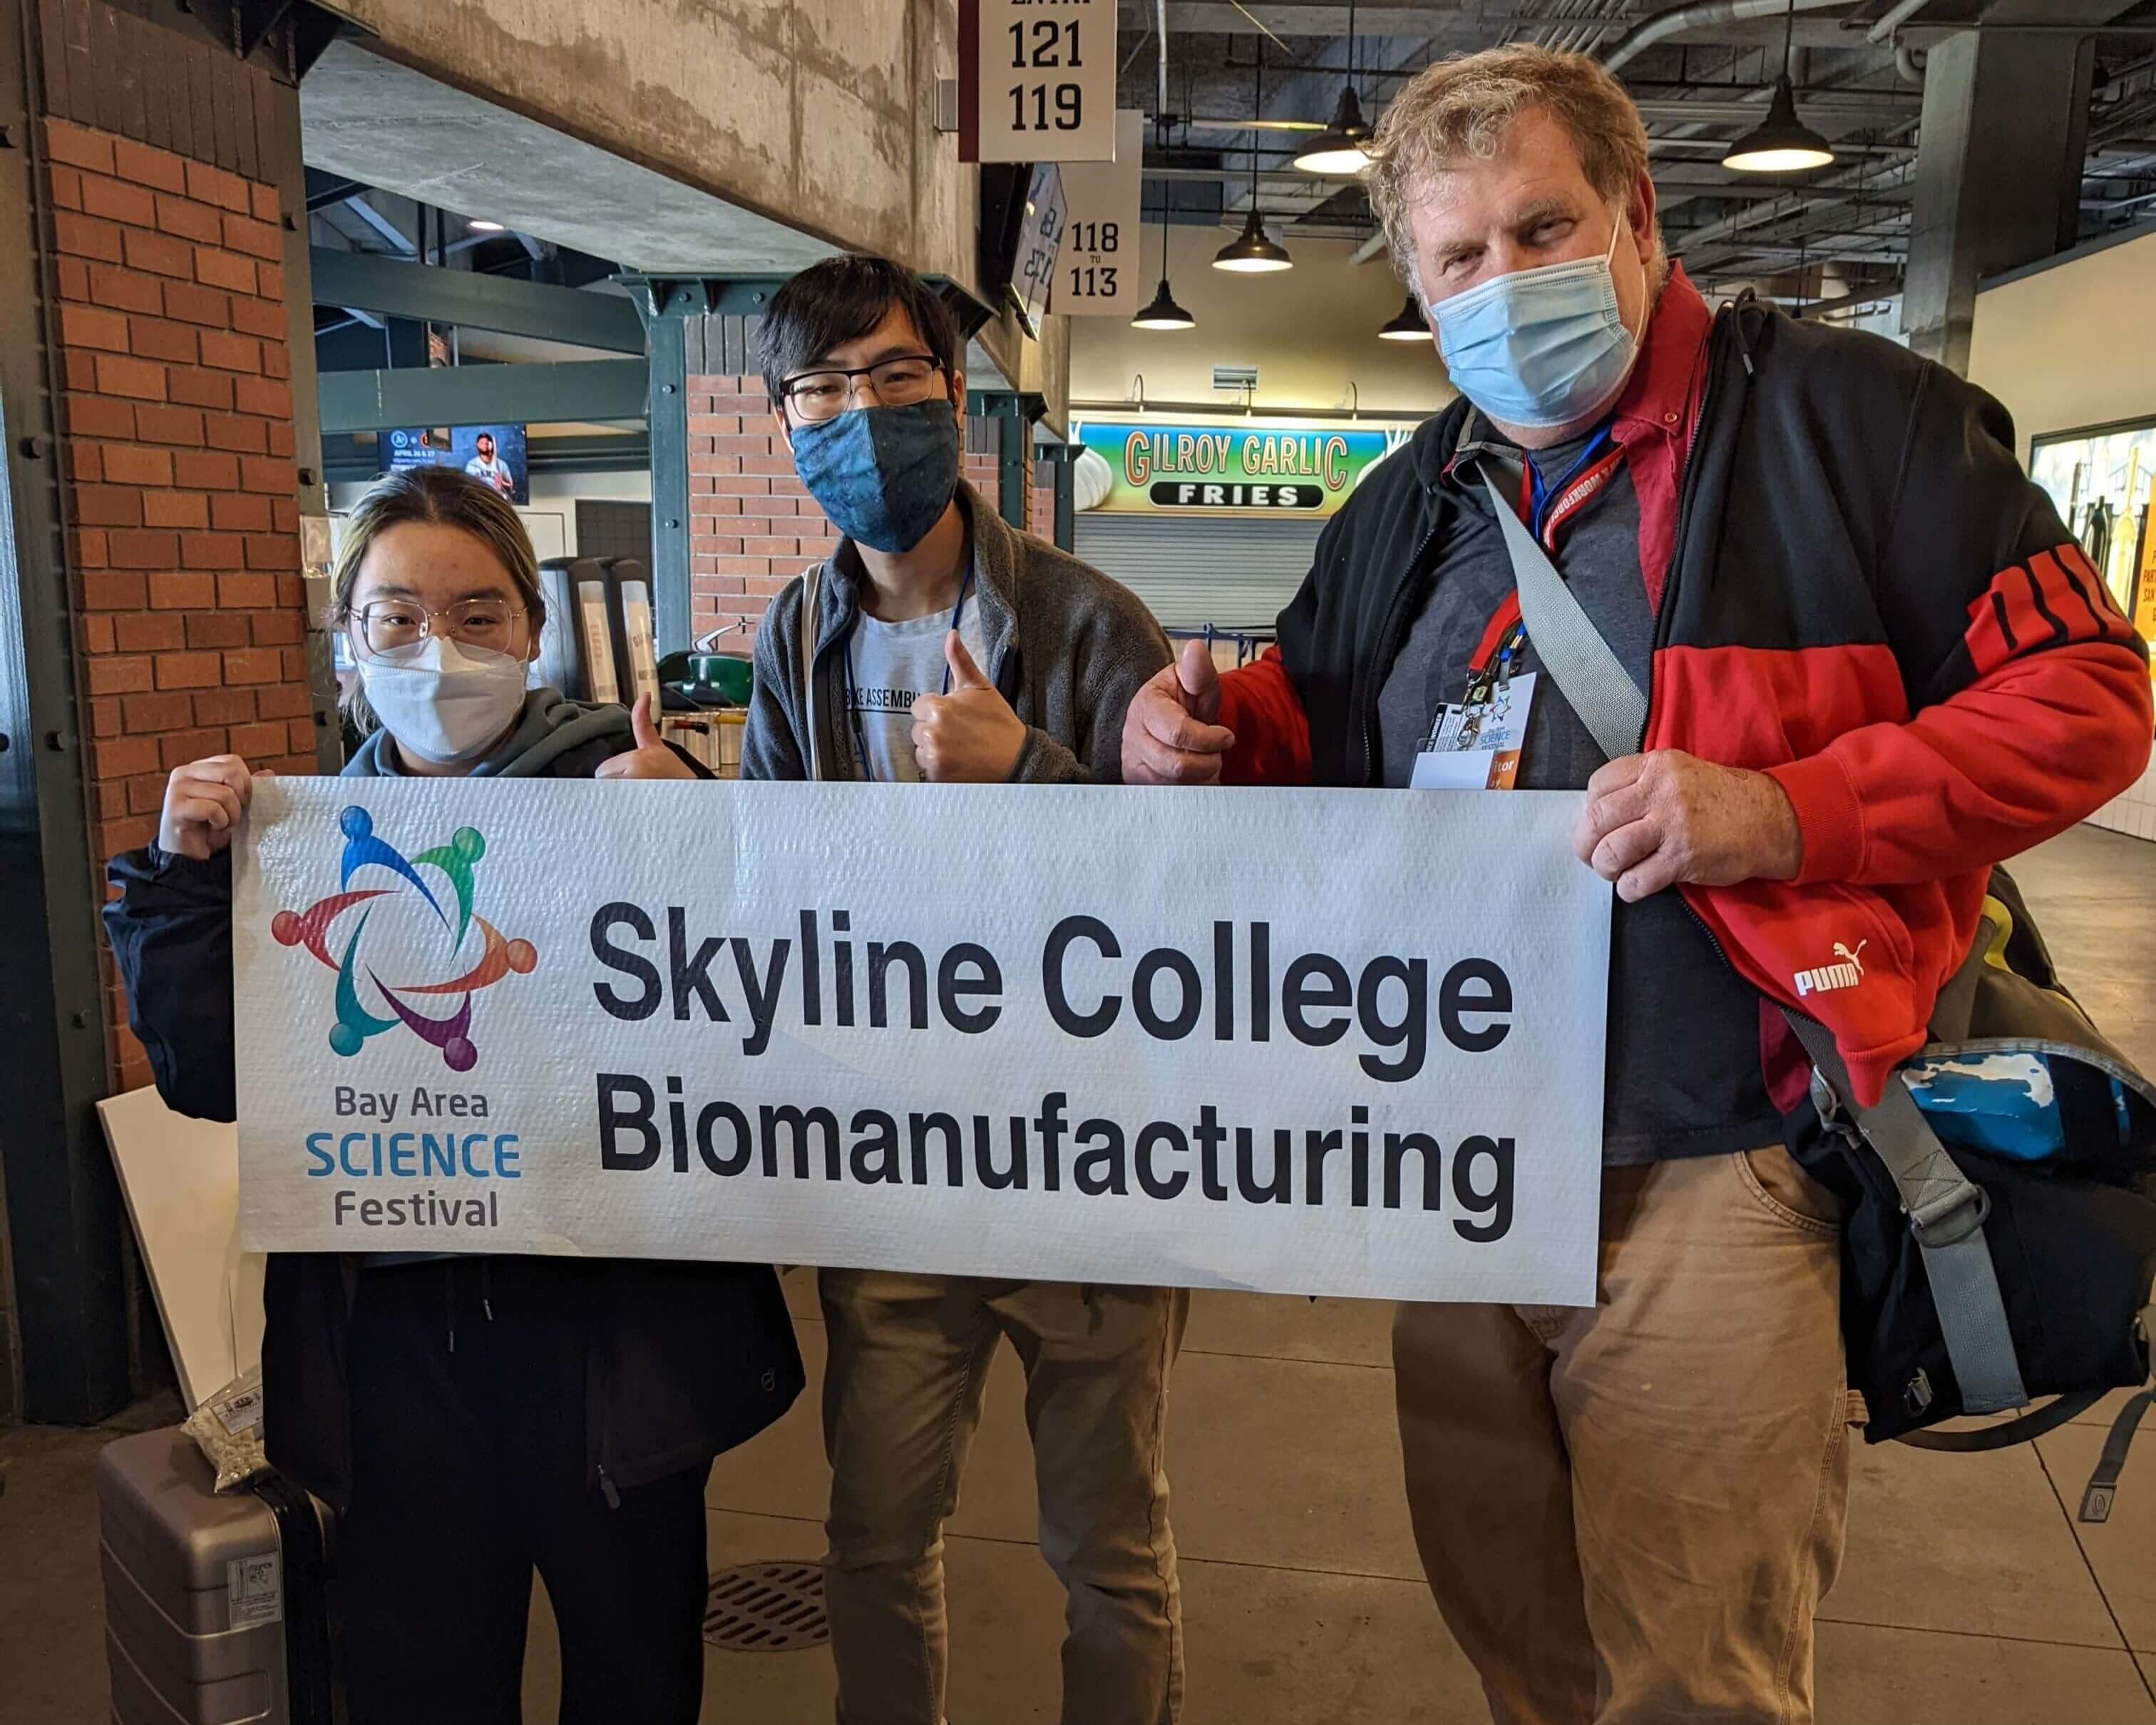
(215, 1606)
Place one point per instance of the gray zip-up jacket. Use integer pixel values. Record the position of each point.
(1066, 647)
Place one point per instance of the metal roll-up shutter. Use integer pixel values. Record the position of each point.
(1233, 572)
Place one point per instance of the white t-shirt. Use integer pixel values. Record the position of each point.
(891, 666)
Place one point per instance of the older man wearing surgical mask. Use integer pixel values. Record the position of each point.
(1876, 663)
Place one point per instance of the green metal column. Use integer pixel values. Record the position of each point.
(1060, 458)
(668, 417)
(1011, 434)
(668, 305)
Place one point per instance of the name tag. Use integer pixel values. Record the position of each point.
(1476, 746)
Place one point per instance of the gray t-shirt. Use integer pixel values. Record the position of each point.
(889, 666)
(1683, 1077)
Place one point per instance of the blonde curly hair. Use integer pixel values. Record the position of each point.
(1464, 106)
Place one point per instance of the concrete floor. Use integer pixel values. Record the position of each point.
(1969, 1596)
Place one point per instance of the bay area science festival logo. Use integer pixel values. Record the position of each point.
(409, 952)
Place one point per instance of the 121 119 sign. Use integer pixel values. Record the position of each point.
(1042, 80)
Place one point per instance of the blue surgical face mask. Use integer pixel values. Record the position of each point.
(1539, 348)
(884, 475)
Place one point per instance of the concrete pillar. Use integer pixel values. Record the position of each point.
(2005, 123)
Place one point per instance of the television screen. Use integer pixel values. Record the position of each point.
(493, 453)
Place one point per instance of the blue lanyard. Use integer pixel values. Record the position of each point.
(853, 690)
(1539, 495)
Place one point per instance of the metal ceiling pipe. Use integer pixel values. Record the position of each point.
(1697, 13)
(1160, 29)
(1899, 14)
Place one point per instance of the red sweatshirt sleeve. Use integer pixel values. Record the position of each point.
(2030, 692)
(1258, 702)
(2015, 758)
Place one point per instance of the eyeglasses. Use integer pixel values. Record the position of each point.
(898, 382)
(390, 628)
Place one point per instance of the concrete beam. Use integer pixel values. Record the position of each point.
(572, 391)
(372, 283)
(802, 123)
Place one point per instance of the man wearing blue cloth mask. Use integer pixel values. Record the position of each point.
(1877, 664)
(941, 645)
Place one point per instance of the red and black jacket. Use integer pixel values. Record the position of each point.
(1856, 591)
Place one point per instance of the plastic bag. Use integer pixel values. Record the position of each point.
(228, 1429)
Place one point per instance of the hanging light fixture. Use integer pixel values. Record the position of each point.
(1163, 313)
(1408, 324)
(1781, 143)
(1341, 151)
(1253, 251)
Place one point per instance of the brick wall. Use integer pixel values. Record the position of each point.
(752, 526)
(181, 489)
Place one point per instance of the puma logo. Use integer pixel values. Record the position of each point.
(1846, 973)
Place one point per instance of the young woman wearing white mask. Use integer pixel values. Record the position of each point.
(469, 1419)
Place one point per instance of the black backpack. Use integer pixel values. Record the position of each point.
(1999, 1235)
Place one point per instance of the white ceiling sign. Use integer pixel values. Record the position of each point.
(1043, 85)
(1098, 273)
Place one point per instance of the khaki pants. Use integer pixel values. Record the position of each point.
(909, 1359)
(1629, 1513)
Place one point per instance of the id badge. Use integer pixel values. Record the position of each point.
(1476, 746)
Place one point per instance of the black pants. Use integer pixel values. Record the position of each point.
(469, 1469)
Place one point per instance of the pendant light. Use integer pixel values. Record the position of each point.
(1163, 313)
(1781, 143)
(1408, 325)
(1254, 251)
(1341, 151)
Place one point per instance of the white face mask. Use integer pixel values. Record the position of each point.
(445, 703)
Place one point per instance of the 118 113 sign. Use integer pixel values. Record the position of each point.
(1097, 274)
(1039, 82)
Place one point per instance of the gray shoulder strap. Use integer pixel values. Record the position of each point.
(1571, 648)
(1946, 1210)
(811, 581)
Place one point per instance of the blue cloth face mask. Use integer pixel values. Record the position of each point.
(1539, 348)
(884, 475)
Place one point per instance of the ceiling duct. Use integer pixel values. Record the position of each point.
(1696, 15)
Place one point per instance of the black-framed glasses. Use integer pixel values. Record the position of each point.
(389, 628)
(899, 382)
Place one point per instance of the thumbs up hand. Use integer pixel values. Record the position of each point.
(651, 758)
(970, 736)
(1170, 733)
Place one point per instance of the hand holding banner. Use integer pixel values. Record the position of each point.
(1310, 1041)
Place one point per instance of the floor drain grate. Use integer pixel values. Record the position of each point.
(766, 1608)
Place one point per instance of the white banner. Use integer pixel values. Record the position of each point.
(1304, 1041)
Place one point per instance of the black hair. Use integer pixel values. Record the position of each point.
(841, 299)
